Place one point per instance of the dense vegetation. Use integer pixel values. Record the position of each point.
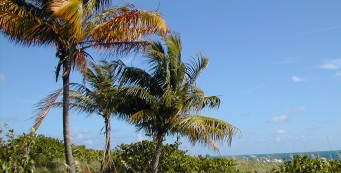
(301, 164)
(38, 153)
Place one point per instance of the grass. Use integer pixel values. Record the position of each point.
(245, 165)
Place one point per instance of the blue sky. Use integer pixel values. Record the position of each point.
(275, 64)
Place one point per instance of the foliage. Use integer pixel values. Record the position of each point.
(302, 164)
(46, 150)
(171, 100)
(46, 154)
(137, 157)
(38, 153)
(49, 153)
(15, 152)
(214, 165)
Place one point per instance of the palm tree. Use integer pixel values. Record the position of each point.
(72, 27)
(101, 94)
(173, 100)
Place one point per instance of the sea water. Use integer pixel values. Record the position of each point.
(279, 157)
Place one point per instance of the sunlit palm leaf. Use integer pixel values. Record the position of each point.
(204, 130)
(141, 116)
(127, 28)
(24, 23)
(72, 12)
(97, 5)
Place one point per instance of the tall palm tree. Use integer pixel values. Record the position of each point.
(173, 100)
(72, 27)
(101, 94)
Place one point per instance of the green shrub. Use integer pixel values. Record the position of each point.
(303, 164)
(49, 154)
(137, 157)
(15, 152)
(46, 150)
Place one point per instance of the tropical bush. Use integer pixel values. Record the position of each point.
(137, 157)
(47, 150)
(302, 164)
(38, 153)
(15, 152)
(49, 155)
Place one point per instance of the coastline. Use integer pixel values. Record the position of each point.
(279, 157)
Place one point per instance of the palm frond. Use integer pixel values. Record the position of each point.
(72, 12)
(136, 92)
(141, 116)
(211, 102)
(206, 130)
(25, 23)
(82, 101)
(195, 67)
(174, 46)
(98, 5)
(168, 97)
(126, 28)
(80, 62)
(139, 77)
(44, 106)
(194, 99)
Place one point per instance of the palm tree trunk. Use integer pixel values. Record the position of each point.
(156, 157)
(66, 116)
(106, 160)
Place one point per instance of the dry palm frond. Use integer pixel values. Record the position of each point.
(44, 106)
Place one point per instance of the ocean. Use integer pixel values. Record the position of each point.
(279, 157)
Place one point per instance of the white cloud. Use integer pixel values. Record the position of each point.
(297, 79)
(286, 114)
(281, 132)
(279, 119)
(332, 64)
